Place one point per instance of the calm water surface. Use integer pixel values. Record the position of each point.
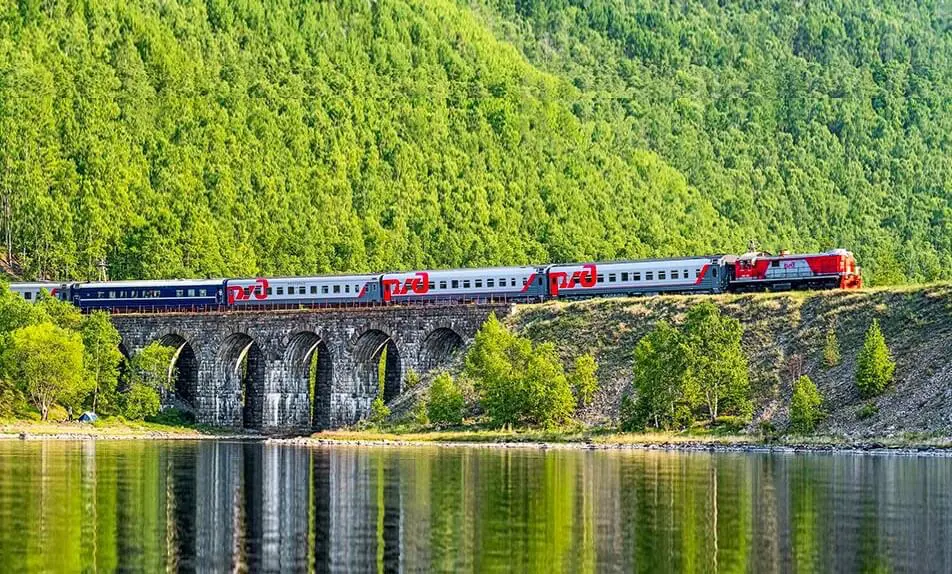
(221, 506)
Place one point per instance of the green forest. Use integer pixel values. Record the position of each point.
(214, 138)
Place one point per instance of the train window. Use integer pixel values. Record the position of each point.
(600, 279)
(649, 276)
(99, 295)
(685, 274)
(775, 263)
(661, 276)
(502, 281)
(674, 273)
(313, 289)
(324, 289)
(191, 292)
(280, 290)
(455, 284)
(28, 295)
(697, 273)
(636, 276)
(442, 284)
(302, 290)
(431, 286)
(269, 290)
(490, 283)
(133, 294)
(203, 292)
(539, 280)
(466, 283)
(479, 283)
(624, 276)
(611, 277)
(336, 288)
(346, 288)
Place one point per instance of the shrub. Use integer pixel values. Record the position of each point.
(805, 410)
(141, 401)
(831, 350)
(874, 366)
(379, 412)
(445, 402)
(411, 380)
(516, 381)
(585, 378)
(173, 417)
(730, 424)
(866, 411)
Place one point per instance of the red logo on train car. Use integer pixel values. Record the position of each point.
(584, 278)
(419, 284)
(239, 293)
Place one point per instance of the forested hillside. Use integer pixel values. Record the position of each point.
(215, 138)
(806, 124)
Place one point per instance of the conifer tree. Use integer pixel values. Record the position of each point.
(874, 365)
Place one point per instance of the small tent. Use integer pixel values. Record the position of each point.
(88, 417)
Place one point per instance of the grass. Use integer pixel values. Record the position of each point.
(106, 428)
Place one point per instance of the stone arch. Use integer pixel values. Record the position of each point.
(310, 369)
(240, 364)
(186, 383)
(438, 347)
(368, 354)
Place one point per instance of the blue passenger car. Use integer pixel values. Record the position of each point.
(149, 295)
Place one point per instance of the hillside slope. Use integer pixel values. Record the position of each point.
(784, 337)
(807, 124)
(212, 138)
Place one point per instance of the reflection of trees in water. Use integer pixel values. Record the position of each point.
(224, 506)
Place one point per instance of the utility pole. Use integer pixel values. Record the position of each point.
(103, 269)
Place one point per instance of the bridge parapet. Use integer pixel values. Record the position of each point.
(301, 370)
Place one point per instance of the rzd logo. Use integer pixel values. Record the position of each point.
(418, 284)
(238, 293)
(561, 280)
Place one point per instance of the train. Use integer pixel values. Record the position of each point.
(752, 271)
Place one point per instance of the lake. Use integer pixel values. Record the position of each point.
(223, 505)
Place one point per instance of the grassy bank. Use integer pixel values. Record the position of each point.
(106, 428)
(611, 438)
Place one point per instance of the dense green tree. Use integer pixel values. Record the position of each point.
(444, 403)
(518, 382)
(151, 374)
(663, 381)
(805, 404)
(584, 378)
(718, 363)
(102, 359)
(874, 365)
(379, 411)
(47, 362)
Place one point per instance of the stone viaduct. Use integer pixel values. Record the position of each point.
(300, 370)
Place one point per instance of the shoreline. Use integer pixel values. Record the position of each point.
(526, 440)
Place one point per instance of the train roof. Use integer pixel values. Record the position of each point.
(480, 271)
(308, 277)
(624, 261)
(143, 283)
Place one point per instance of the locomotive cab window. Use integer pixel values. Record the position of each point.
(775, 263)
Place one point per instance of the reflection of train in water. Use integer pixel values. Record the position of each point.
(716, 274)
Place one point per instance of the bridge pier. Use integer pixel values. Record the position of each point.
(304, 370)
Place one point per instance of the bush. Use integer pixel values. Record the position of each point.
(411, 380)
(866, 411)
(445, 402)
(730, 424)
(805, 410)
(874, 366)
(516, 381)
(585, 378)
(379, 412)
(141, 401)
(831, 350)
